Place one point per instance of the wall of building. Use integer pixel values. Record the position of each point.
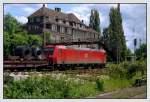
(62, 31)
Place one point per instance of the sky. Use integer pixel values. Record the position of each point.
(133, 15)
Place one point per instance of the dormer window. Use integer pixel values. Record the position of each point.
(75, 24)
(80, 25)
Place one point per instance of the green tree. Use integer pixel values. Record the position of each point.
(35, 40)
(95, 20)
(7, 41)
(114, 35)
(15, 34)
(47, 37)
(20, 38)
(11, 25)
(141, 52)
(129, 53)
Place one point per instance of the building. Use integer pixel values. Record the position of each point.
(62, 26)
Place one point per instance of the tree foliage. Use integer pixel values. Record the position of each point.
(15, 34)
(114, 36)
(11, 25)
(47, 37)
(35, 40)
(7, 41)
(95, 20)
(141, 52)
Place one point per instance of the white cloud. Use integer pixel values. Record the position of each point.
(21, 19)
(29, 10)
(82, 12)
(134, 17)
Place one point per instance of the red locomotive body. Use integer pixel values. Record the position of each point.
(63, 55)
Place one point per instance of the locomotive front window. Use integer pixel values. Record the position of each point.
(49, 50)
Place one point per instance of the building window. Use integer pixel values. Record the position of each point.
(49, 26)
(66, 30)
(69, 31)
(67, 23)
(60, 21)
(80, 25)
(31, 20)
(62, 29)
(54, 28)
(36, 27)
(37, 19)
(56, 19)
(62, 38)
(46, 18)
(75, 24)
(64, 22)
(29, 27)
(70, 23)
(58, 28)
(78, 41)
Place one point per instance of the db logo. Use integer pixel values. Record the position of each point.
(86, 55)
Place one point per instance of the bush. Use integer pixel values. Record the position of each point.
(99, 85)
(116, 71)
(127, 69)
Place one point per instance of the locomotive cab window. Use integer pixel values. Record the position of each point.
(49, 50)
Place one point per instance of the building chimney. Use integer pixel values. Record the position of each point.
(43, 5)
(58, 9)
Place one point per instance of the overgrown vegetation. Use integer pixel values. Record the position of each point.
(127, 70)
(64, 86)
(49, 87)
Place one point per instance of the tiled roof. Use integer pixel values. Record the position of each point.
(52, 14)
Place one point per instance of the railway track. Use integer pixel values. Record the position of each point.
(66, 71)
(43, 66)
(16, 65)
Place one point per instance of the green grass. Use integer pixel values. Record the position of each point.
(115, 84)
(48, 87)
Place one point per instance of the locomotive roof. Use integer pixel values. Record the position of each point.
(69, 47)
(87, 49)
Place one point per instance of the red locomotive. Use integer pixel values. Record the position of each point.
(65, 56)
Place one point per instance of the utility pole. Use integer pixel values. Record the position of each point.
(44, 27)
(140, 42)
(139, 47)
(135, 43)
